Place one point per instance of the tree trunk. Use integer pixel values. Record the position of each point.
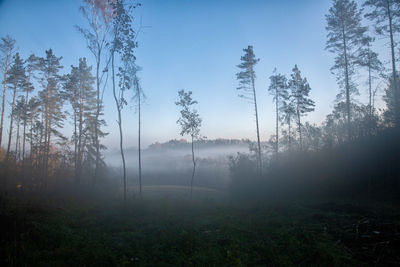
(194, 169)
(290, 134)
(395, 87)
(11, 125)
(299, 127)
(96, 130)
(118, 104)
(24, 131)
(258, 132)
(4, 99)
(139, 146)
(17, 145)
(347, 85)
(277, 122)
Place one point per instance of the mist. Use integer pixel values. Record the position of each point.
(303, 96)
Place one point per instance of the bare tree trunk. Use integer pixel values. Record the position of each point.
(277, 122)
(96, 128)
(17, 141)
(24, 131)
(11, 125)
(347, 85)
(139, 146)
(31, 141)
(194, 169)
(396, 89)
(118, 104)
(290, 136)
(4, 98)
(258, 131)
(299, 127)
(369, 82)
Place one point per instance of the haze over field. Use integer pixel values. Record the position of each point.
(199, 133)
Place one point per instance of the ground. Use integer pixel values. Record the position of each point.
(186, 231)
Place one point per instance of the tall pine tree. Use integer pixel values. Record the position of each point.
(345, 36)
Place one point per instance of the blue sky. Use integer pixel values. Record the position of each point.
(194, 45)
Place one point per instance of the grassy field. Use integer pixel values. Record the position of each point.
(204, 231)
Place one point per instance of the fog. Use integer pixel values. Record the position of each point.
(311, 87)
(166, 164)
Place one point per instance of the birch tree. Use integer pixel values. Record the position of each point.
(99, 15)
(190, 123)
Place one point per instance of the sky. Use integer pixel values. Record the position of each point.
(196, 46)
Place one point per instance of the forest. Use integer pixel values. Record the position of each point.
(321, 193)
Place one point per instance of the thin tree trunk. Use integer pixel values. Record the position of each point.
(4, 99)
(277, 122)
(139, 146)
(194, 169)
(31, 140)
(11, 124)
(299, 127)
(96, 130)
(347, 85)
(396, 92)
(117, 103)
(24, 131)
(17, 146)
(80, 133)
(290, 135)
(258, 132)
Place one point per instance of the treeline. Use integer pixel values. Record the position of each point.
(357, 146)
(43, 100)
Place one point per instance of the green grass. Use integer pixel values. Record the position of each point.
(180, 232)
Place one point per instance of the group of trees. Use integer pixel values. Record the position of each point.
(352, 43)
(40, 94)
(43, 99)
(291, 99)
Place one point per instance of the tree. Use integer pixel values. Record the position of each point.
(345, 37)
(386, 15)
(299, 91)
(139, 96)
(388, 97)
(190, 123)
(99, 15)
(369, 59)
(288, 116)
(123, 44)
(278, 89)
(31, 66)
(82, 96)
(246, 79)
(52, 102)
(17, 79)
(7, 47)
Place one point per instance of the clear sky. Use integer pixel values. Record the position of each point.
(194, 45)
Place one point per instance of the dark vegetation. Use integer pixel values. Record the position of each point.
(312, 195)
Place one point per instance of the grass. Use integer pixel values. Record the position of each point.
(188, 232)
